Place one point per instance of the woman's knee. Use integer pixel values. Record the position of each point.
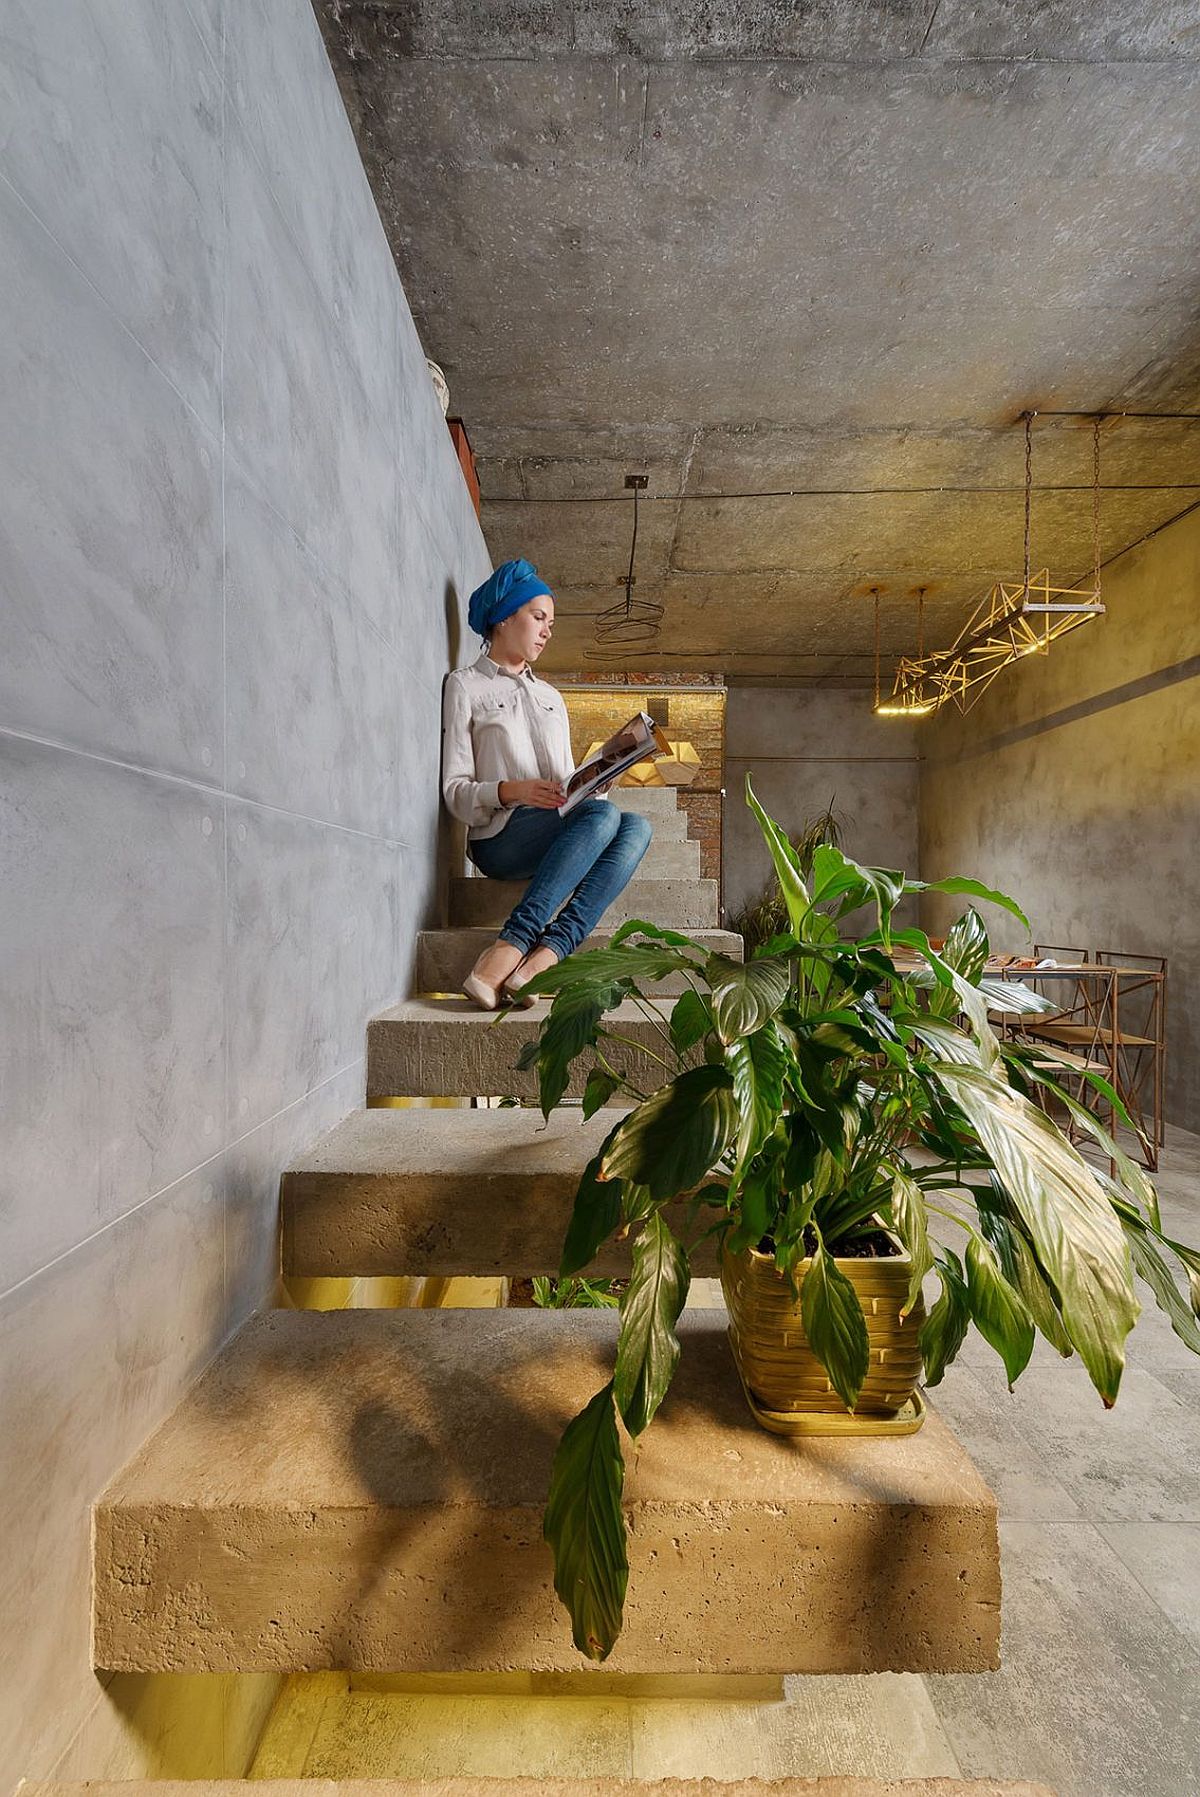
(635, 833)
(599, 818)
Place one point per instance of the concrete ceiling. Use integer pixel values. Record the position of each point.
(803, 262)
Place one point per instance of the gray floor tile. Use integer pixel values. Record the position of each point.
(1136, 1462)
(979, 1408)
(1097, 1694)
(1164, 1558)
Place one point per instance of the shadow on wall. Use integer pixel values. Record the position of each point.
(453, 625)
(452, 836)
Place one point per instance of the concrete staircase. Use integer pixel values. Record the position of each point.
(668, 889)
(362, 1490)
(443, 1194)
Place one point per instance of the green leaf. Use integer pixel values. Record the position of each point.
(1075, 1232)
(758, 1064)
(999, 1311)
(1151, 1266)
(946, 1325)
(911, 1225)
(1022, 1270)
(585, 1526)
(572, 1026)
(672, 1140)
(1016, 998)
(647, 1347)
(968, 998)
(752, 1214)
(596, 1213)
(836, 876)
(638, 927)
(970, 889)
(690, 1020)
(835, 1325)
(745, 994)
(599, 1089)
(966, 951)
(594, 969)
(787, 865)
(1132, 1177)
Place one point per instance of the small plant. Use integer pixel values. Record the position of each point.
(824, 1090)
(763, 917)
(575, 1294)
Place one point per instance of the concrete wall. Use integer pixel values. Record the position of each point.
(233, 540)
(803, 747)
(1075, 785)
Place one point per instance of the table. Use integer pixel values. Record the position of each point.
(1112, 1020)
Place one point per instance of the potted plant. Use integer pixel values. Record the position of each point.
(818, 1104)
(765, 915)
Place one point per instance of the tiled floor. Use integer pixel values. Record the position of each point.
(1099, 1691)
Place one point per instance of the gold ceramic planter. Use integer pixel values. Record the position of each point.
(786, 1386)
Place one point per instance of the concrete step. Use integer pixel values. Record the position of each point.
(363, 1491)
(445, 1048)
(654, 802)
(541, 1787)
(666, 860)
(672, 904)
(445, 957)
(444, 1194)
(657, 803)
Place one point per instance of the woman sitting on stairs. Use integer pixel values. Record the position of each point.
(506, 756)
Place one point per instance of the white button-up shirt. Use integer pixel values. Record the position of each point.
(499, 726)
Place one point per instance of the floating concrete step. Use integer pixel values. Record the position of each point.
(445, 1048)
(544, 1787)
(445, 957)
(672, 904)
(652, 801)
(667, 860)
(363, 1491)
(444, 1194)
(658, 803)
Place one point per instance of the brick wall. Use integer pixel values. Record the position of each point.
(698, 717)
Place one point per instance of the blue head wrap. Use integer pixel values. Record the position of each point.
(513, 585)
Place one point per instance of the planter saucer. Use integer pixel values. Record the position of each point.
(907, 1420)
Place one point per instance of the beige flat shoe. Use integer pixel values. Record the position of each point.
(481, 994)
(513, 989)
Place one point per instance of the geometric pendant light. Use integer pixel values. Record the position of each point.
(1014, 619)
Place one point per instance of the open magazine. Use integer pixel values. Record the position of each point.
(635, 741)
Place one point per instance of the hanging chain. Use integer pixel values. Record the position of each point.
(1029, 418)
(920, 623)
(1096, 423)
(875, 596)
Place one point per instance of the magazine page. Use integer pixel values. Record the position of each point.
(635, 741)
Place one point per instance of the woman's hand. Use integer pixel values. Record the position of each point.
(543, 795)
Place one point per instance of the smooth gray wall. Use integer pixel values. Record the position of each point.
(1075, 785)
(802, 747)
(234, 540)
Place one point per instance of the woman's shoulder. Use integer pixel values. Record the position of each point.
(463, 680)
(546, 692)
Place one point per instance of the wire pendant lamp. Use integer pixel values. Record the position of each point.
(1015, 619)
(631, 623)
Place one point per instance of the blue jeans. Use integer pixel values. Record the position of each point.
(576, 865)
